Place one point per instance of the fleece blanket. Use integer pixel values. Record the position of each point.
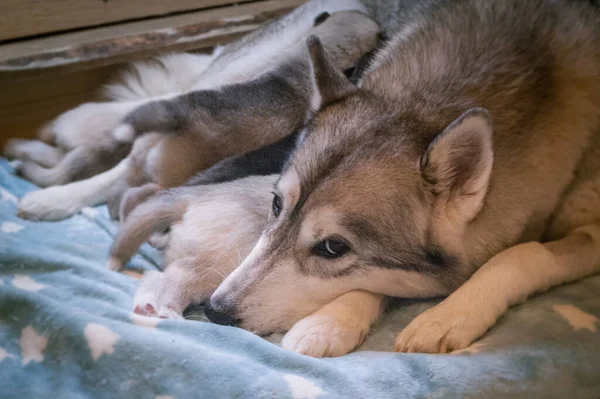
(66, 331)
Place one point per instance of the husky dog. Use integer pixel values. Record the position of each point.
(253, 93)
(466, 163)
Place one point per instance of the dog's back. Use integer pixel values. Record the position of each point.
(269, 45)
(535, 66)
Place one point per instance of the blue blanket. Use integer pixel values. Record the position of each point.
(66, 331)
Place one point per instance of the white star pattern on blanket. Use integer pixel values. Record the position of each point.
(577, 318)
(26, 283)
(8, 196)
(10, 227)
(301, 388)
(101, 339)
(32, 346)
(5, 355)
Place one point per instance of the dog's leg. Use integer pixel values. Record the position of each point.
(505, 280)
(35, 151)
(185, 281)
(78, 164)
(56, 203)
(134, 196)
(145, 300)
(115, 196)
(62, 173)
(337, 328)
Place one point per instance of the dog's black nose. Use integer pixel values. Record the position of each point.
(220, 315)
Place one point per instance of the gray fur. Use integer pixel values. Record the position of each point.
(458, 144)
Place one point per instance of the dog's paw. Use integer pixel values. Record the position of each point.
(441, 329)
(159, 241)
(145, 310)
(151, 299)
(149, 309)
(114, 264)
(166, 312)
(320, 335)
(50, 204)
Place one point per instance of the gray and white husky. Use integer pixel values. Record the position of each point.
(465, 163)
(253, 93)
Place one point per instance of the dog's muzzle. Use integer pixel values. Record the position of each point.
(219, 314)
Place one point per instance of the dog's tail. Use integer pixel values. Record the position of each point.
(158, 116)
(156, 214)
(168, 116)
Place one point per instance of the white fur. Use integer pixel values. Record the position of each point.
(56, 203)
(89, 123)
(154, 298)
(124, 132)
(163, 75)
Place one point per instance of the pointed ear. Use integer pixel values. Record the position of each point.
(458, 164)
(329, 82)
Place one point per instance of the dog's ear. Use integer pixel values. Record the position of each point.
(329, 82)
(458, 163)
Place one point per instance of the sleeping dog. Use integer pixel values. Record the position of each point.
(466, 163)
(253, 93)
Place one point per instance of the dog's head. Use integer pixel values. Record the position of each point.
(374, 198)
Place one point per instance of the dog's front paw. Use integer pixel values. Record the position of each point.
(441, 329)
(321, 335)
(50, 204)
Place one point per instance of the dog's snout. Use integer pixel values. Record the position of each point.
(222, 315)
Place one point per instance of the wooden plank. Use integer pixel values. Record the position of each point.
(27, 105)
(21, 18)
(105, 45)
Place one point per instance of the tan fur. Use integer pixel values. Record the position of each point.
(399, 168)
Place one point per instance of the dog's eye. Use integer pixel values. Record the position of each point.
(276, 206)
(330, 249)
